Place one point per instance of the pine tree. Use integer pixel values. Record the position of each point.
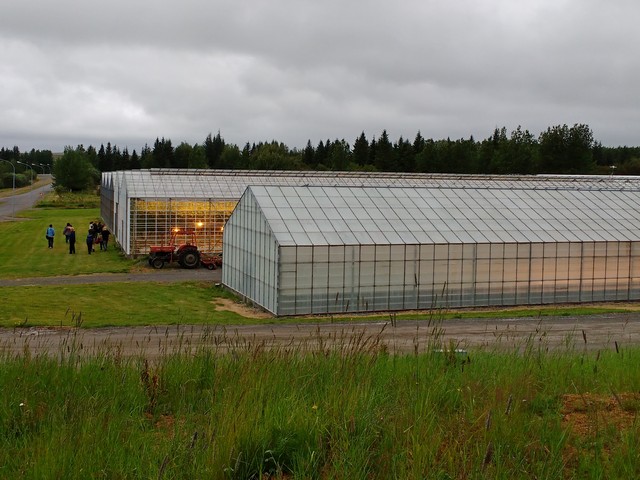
(385, 160)
(213, 147)
(361, 151)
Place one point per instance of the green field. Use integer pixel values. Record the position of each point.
(115, 304)
(315, 413)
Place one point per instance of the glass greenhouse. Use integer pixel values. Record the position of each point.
(318, 249)
(142, 207)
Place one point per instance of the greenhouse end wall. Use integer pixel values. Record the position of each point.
(250, 256)
(367, 278)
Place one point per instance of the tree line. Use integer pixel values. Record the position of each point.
(559, 149)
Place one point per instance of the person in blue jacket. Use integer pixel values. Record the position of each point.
(90, 241)
(50, 234)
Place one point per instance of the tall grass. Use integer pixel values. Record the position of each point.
(345, 410)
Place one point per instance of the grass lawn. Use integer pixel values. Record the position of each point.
(115, 304)
(24, 249)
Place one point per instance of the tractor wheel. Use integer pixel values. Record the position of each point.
(211, 266)
(156, 262)
(190, 259)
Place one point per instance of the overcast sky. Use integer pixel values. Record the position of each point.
(129, 71)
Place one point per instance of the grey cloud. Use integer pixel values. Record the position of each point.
(128, 72)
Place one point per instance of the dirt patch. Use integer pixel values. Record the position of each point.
(587, 413)
(596, 418)
(240, 308)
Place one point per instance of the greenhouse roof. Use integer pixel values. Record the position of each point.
(318, 215)
(230, 184)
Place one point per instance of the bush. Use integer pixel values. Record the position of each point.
(22, 180)
(73, 171)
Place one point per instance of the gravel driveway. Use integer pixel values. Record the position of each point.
(167, 274)
(594, 332)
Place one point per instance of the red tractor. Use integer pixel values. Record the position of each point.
(186, 254)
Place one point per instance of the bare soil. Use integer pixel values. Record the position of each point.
(240, 308)
(588, 416)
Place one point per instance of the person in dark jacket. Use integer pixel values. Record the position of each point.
(105, 238)
(71, 236)
(90, 242)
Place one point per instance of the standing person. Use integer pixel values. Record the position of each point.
(105, 238)
(93, 232)
(90, 241)
(72, 240)
(65, 232)
(50, 234)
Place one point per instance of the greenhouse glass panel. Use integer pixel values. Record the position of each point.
(320, 277)
(482, 270)
(535, 292)
(509, 293)
(549, 272)
(482, 293)
(303, 276)
(316, 238)
(522, 293)
(336, 275)
(599, 290)
(562, 268)
(455, 273)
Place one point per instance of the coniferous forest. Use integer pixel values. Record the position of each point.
(559, 149)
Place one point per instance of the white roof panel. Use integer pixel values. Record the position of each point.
(230, 184)
(505, 215)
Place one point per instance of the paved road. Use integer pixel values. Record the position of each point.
(10, 206)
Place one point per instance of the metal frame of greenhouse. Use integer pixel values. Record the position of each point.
(325, 250)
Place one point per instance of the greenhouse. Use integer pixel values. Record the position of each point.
(325, 250)
(143, 207)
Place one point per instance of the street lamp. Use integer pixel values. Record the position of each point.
(45, 165)
(27, 165)
(13, 196)
(41, 166)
